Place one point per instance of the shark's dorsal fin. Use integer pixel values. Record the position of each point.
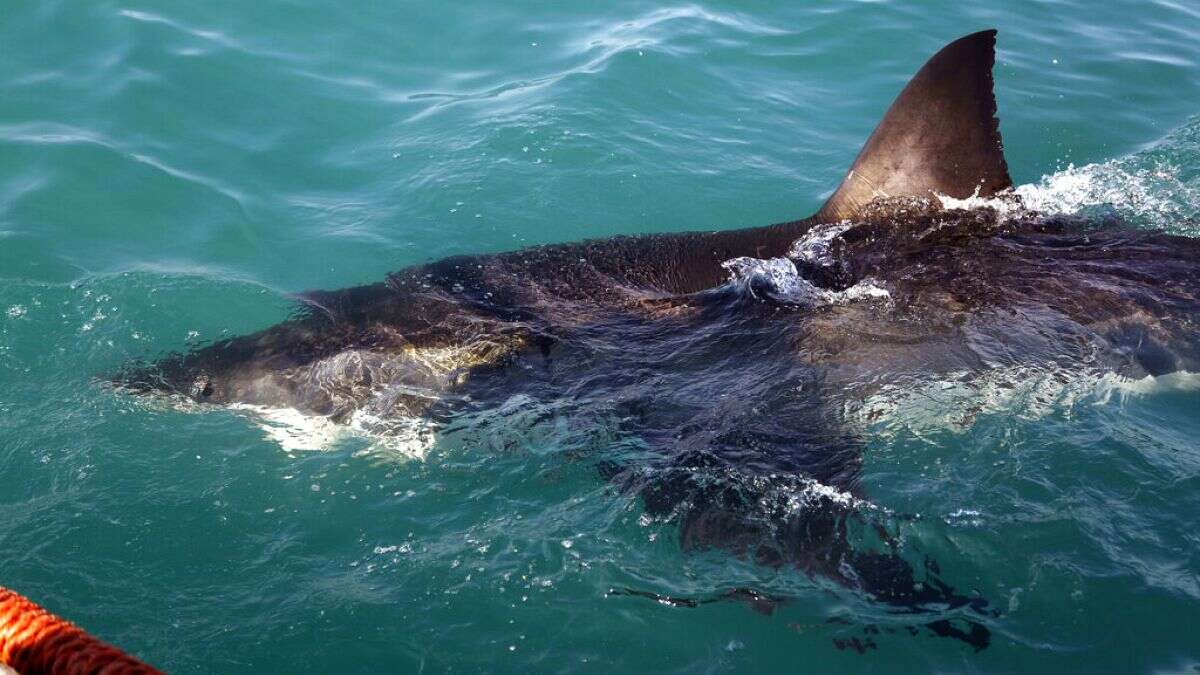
(941, 135)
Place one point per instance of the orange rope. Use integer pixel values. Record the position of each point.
(34, 641)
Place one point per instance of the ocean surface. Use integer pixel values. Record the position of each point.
(173, 173)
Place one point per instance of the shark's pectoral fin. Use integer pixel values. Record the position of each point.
(778, 486)
(940, 136)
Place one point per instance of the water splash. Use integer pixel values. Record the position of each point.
(1158, 195)
(778, 279)
(814, 247)
(1157, 188)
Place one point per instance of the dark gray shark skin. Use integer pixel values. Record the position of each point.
(735, 390)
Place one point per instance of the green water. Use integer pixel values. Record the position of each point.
(170, 173)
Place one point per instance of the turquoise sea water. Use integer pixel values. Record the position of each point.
(171, 173)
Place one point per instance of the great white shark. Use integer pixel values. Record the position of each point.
(730, 356)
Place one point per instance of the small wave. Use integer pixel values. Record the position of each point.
(662, 29)
(208, 36)
(646, 30)
(52, 133)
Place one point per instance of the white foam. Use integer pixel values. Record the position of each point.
(799, 493)
(405, 437)
(867, 289)
(1156, 195)
(1147, 192)
(814, 491)
(1006, 204)
(1115, 386)
(293, 430)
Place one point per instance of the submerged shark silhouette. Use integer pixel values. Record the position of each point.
(731, 356)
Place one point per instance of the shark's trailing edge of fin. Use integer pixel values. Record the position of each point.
(940, 135)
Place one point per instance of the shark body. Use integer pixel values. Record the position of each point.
(731, 356)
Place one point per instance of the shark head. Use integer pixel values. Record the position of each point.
(318, 364)
(217, 374)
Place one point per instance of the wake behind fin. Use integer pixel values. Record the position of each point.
(940, 136)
